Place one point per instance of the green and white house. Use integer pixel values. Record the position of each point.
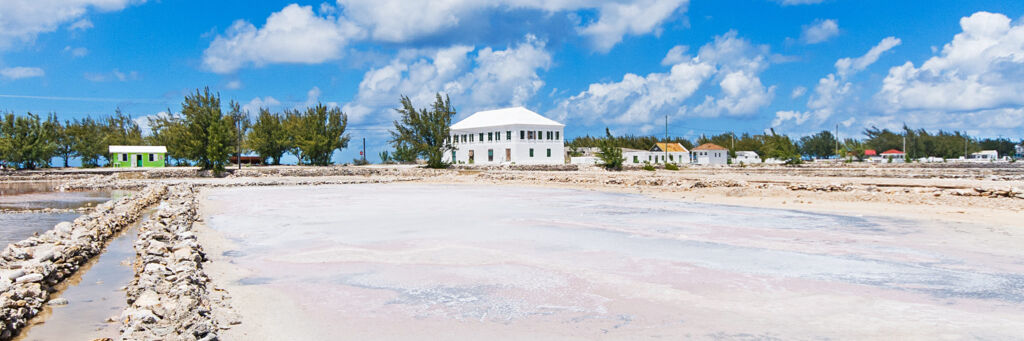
(137, 156)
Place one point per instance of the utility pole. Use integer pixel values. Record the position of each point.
(364, 150)
(665, 158)
(837, 142)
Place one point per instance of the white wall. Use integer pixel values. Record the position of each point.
(711, 157)
(519, 148)
(681, 158)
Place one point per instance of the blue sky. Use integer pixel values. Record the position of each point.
(797, 66)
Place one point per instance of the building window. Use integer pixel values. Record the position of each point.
(671, 157)
(556, 136)
(508, 135)
(463, 137)
(636, 159)
(150, 157)
(470, 137)
(124, 157)
(497, 136)
(490, 155)
(490, 136)
(530, 135)
(522, 134)
(549, 152)
(453, 156)
(531, 152)
(481, 137)
(549, 135)
(540, 135)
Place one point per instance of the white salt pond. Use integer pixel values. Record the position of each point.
(422, 261)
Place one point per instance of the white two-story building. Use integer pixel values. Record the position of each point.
(507, 136)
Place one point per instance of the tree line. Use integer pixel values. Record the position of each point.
(202, 134)
(824, 144)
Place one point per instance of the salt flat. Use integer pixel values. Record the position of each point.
(435, 261)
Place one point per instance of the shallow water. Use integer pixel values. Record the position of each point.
(94, 295)
(21, 201)
(15, 226)
(526, 262)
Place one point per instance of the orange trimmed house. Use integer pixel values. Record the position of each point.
(710, 154)
(674, 152)
(893, 155)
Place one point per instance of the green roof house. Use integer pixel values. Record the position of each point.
(137, 156)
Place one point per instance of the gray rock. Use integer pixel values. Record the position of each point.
(30, 278)
(58, 301)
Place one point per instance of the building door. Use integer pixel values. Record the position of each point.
(508, 155)
(138, 160)
(470, 156)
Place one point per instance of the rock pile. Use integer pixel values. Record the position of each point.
(29, 269)
(168, 299)
(1012, 192)
(821, 187)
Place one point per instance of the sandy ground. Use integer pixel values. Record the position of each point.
(462, 261)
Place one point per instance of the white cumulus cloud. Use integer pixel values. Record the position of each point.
(820, 31)
(19, 72)
(22, 20)
(293, 35)
(832, 93)
(981, 69)
(731, 62)
(475, 78)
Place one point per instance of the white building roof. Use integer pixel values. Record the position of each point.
(503, 117)
(138, 149)
(988, 152)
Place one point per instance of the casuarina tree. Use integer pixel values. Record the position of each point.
(425, 131)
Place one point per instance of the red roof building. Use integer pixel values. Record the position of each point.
(870, 152)
(892, 152)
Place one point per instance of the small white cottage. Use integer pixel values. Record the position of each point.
(710, 154)
(507, 136)
(746, 157)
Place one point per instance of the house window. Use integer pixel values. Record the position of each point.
(531, 152)
(463, 137)
(556, 136)
(497, 136)
(490, 155)
(508, 135)
(124, 157)
(530, 135)
(549, 152)
(540, 135)
(549, 135)
(453, 156)
(481, 137)
(522, 134)
(671, 157)
(150, 157)
(636, 159)
(490, 136)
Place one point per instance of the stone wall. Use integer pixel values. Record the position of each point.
(29, 269)
(169, 297)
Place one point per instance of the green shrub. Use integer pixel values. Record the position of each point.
(648, 167)
(610, 155)
(671, 166)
